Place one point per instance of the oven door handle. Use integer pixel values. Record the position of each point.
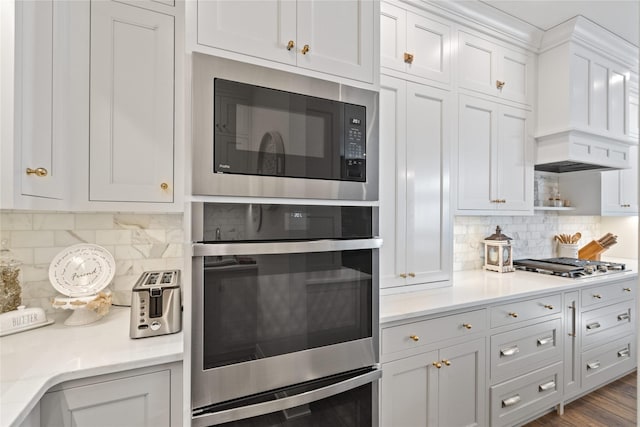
(265, 248)
(208, 419)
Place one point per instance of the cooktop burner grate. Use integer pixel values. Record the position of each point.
(568, 267)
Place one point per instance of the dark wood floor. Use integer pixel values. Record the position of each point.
(611, 406)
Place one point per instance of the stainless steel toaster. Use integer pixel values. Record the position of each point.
(156, 307)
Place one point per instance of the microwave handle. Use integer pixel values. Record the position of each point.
(265, 248)
(208, 419)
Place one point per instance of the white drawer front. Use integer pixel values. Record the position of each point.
(525, 349)
(417, 334)
(605, 294)
(604, 363)
(608, 322)
(519, 311)
(517, 399)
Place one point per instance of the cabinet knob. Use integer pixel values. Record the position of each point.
(597, 296)
(626, 289)
(290, 45)
(414, 337)
(503, 201)
(514, 315)
(408, 58)
(548, 306)
(37, 171)
(437, 364)
(164, 185)
(404, 276)
(467, 325)
(305, 49)
(412, 274)
(499, 84)
(446, 362)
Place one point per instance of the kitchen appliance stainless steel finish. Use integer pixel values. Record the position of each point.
(292, 302)
(156, 307)
(573, 268)
(266, 133)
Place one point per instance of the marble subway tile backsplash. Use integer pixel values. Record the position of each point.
(532, 235)
(138, 242)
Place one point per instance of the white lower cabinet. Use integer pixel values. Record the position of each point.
(427, 384)
(414, 213)
(141, 398)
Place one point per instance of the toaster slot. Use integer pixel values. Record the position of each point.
(155, 303)
(167, 277)
(152, 279)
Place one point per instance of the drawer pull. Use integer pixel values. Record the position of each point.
(548, 306)
(509, 351)
(626, 289)
(544, 341)
(597, 296)
(404, 276)
(547, 386)
(437, 364)
(511, 401)
(514, 315)
(623, 316)
(594, 325)
(623, 353)
(467, 325)
(593, 365)
(414, 337)
(412, 274)
(446, 362)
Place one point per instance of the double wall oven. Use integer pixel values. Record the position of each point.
(285, 318)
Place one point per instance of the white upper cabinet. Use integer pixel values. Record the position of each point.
(491, 69)
(414, 44)
(584, 78)
(132, 104)
(620, 189)
(336, 38)
(494, 158)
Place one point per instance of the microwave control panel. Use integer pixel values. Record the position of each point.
(355, 147)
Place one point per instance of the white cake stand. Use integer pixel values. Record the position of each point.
(81, 307)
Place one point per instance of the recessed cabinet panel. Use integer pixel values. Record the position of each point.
(393, 36)
(599, 97)
(428, 42)
(477, 63)
(617, 104)
(580, 90)
(515, 171)
(132, 104)
(515, 74)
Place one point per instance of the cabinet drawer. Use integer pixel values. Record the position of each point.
(522, 397)
(413, 335)
(519, 311)
(525, 349)
(606, 362)
(607, 322)
(601, 295)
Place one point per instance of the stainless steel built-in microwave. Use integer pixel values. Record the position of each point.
(268, 133)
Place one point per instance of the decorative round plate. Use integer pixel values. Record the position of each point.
(82, 270)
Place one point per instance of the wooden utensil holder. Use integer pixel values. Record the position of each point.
(591, 251)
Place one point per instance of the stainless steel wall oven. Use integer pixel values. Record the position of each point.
(262, 132)
(285, 315)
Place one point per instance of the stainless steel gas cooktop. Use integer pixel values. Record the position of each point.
(568, 267)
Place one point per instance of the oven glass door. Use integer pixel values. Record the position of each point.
(263, 305)
(263, 131)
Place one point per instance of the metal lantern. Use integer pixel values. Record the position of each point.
(498, 252)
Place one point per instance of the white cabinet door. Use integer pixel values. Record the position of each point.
(141, 401)
(620, 188)
(414, 128)
(257, 28)
(40, 95)
(495, 157)
(132, 104)
(409, 391)
(414, 44)
(339, 37)
(515, 70)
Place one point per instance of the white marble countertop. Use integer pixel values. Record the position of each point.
(31, 362)
(475, 287)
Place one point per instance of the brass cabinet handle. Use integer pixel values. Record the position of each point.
(549, 306)
(499, 84)
(446, 362)
(598, 296)
(408, 58)
(514, 315)
(414, 337)
(412, 274)
(467, 325)
(37, 171)
(404, 276)
(305, 49)
(626, 289)
(290, 45)
(164, 185)
(437, 364)
(494, 201)
(625, 206)
(503, 201)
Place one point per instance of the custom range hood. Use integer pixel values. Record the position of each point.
(587, 99)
